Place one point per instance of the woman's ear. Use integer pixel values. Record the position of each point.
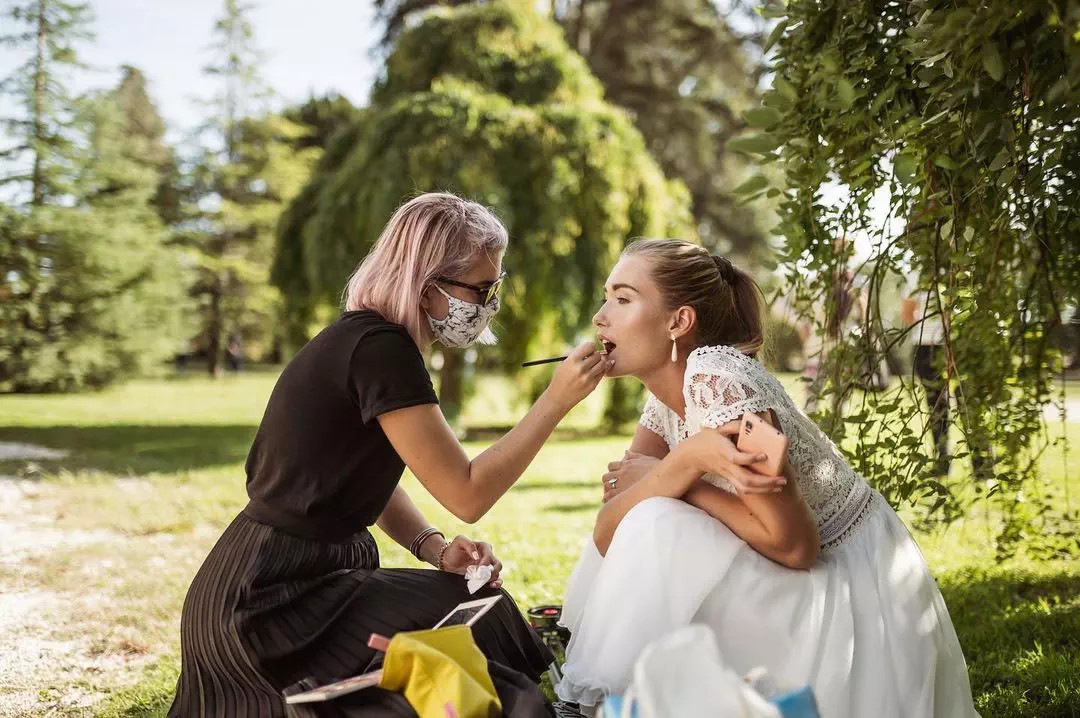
(433, 303)
(682, 321)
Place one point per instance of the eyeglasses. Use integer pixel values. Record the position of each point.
(487, 292)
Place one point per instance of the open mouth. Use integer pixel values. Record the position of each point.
(608, 346)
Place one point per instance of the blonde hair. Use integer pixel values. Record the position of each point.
(727, 300)
(435, 234)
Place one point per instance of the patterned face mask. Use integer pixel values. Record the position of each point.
(465, 323)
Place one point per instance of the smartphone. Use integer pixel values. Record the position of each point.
(757, 436)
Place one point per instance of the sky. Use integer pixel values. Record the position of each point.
(309, 46)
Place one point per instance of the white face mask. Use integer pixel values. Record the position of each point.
(465, 322)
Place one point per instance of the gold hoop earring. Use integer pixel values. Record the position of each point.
(674, 350)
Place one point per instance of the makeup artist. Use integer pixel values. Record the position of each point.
(293, 588)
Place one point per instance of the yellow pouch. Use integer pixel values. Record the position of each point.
(441, 673)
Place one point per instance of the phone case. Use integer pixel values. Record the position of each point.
(758, 436)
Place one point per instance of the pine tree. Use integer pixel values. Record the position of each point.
(248, 169)
(48, 30)
(146, 128)
(91, 294)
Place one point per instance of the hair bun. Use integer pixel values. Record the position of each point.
(726, 268)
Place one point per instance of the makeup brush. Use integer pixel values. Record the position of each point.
(535, 362)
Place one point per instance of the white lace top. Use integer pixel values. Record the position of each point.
(721, 385)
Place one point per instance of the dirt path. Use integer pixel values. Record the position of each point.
(51, 653)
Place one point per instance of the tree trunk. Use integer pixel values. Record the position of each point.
(577, 34)
(38, 179)
(214, 343)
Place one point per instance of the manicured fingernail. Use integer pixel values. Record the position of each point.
(475, 555)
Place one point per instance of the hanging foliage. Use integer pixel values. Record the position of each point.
(961, 118)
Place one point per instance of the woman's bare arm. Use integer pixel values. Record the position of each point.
(403, 522)
(645, 443)
(671, 477)
(648, 443)
(469, 488)
(778, 526)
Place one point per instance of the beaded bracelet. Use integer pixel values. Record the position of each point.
(414, 547)
(442, 552)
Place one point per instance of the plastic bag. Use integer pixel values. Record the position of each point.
(683, 675)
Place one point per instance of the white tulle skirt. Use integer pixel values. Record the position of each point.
(866, 627)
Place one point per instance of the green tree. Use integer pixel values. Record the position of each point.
(686, 76)
(964, 115)
(684, 72)
(144, 124)
(48, 31)
(247, 171)
(90, 293)
(108, 297)
(322, 116)
(488, 101)
(273, 171)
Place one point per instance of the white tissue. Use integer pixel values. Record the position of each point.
(478, 577)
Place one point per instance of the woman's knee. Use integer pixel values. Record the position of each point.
(641, 520)
(652, 509)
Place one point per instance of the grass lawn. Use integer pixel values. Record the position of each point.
(106, 540)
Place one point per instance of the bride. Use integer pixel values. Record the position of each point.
(810, 574)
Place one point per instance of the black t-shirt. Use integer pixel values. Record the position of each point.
(321, 466)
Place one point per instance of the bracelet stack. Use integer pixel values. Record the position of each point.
(414, 547)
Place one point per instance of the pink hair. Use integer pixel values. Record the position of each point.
(435, 234)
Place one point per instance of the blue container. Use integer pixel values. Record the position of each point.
(798, 703)
(613, 706)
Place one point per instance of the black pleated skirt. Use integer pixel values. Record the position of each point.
(269, 613)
